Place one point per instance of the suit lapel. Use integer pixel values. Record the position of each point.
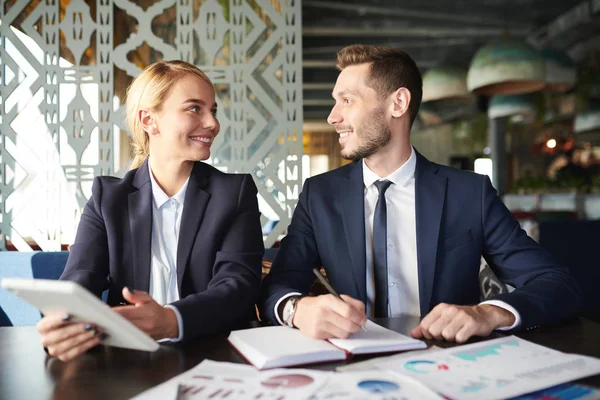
(140, 223)
(351, 201)
(196, 200)
(430, 192)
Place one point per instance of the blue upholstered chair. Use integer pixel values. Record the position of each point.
(39, 265)
(4, 321)
(48, 265)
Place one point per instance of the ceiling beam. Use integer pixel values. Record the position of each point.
(315, 115)
(318, 86)
(318, 64)
(332, 64)
(404, 45)
(317, 125)
(363, 9)
(578, 15)
(579, 51)
(318, 102)
(409, 31)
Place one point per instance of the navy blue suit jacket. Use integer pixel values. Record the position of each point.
(459, 217)
(219, 250)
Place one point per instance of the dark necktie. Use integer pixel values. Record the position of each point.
(380, 251)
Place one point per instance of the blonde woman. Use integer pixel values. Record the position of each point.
(175, 239)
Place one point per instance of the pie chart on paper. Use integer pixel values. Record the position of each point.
(424, 366)
(378, 387)
(286, 381)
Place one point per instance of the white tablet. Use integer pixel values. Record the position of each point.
(50, 296)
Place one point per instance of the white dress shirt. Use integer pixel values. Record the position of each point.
(403, 275)
(166, 220)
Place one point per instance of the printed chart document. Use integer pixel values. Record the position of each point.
(494, 369)
(228, 381)
(373, 385)
(281, 346)
(566, 391)
(374, 363)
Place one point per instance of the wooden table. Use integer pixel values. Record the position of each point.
(26, 372)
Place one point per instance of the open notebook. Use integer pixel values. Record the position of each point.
(281, 346)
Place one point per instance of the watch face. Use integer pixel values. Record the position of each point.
(288, 312)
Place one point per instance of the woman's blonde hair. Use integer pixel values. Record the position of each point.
(148, 91)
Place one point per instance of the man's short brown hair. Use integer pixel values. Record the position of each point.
(390, 70)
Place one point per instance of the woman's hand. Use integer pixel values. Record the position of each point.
(157, 321)
(65, 339)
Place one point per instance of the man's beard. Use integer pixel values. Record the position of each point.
(374, 133)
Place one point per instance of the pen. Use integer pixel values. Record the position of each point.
(329, 288)
(180, 392)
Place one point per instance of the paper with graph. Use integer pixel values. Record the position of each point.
(494, 369)
(211, 380)
(373, 385)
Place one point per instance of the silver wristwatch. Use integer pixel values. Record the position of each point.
(289, 310)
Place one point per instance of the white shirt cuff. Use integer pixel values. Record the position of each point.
(279, 302)
(179, 324)
(507, 307)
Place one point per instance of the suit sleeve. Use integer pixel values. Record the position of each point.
(233, 290)
(545, 291)
(291, 270)
(88, 256)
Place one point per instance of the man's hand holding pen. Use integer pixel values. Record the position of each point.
(329, 316)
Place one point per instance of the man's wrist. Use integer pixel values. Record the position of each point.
(172, 323)
(500, 317)
(297, 308)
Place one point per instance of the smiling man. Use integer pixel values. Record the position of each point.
(400, 235)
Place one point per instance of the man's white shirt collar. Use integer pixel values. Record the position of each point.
(399, 177)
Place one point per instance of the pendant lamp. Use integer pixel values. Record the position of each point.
(504, 67)
(521, 107)
(445, 83)
(560, 70)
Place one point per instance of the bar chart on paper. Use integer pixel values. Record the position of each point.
(265, 386)
(489, 350)
(215, 392)
(494, 369)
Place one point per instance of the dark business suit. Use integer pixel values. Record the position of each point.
(218, 253)
(459, 217)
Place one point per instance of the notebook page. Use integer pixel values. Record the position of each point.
(377, 339)
(279, 346)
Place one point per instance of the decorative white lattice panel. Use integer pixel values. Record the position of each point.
(63, 73)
